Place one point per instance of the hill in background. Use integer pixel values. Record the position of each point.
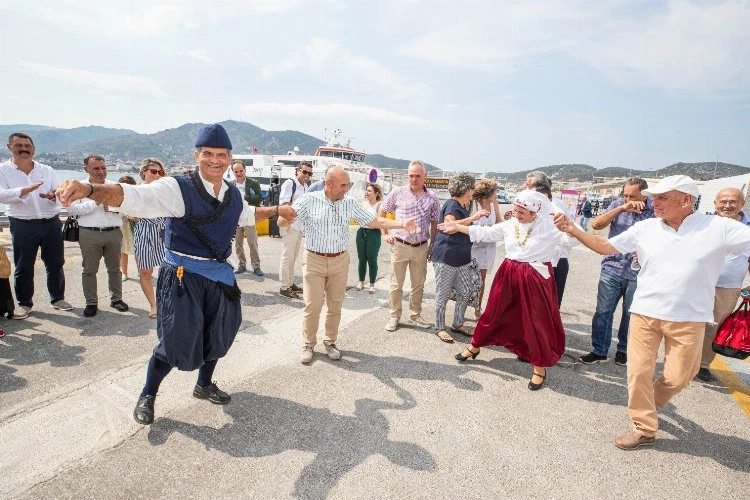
(57, 140)
(701, 171)
(66, 148)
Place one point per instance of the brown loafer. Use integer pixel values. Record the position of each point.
(633, 440)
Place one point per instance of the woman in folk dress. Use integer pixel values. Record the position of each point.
(522, 312)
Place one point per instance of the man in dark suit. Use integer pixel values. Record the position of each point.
(250, 190)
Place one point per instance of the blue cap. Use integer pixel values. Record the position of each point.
(213, 136)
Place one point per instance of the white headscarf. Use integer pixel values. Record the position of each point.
(533, 201)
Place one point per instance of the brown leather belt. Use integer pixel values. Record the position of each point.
(410, 244)
(335, 254)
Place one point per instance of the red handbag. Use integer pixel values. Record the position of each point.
(733, 338)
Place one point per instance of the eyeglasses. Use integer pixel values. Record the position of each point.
(153, 171)
(306, 172)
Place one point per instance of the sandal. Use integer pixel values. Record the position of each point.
(443, 335)
(536, 387)
(462, 330)
(152, 316)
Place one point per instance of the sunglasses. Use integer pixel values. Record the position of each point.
(306, 172)
(153, 171)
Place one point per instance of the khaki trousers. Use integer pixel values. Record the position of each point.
(323, 277)
(682, 351)
(725, 302)
(415, 258)
(95, 245)
(290, 245)
(251, 235)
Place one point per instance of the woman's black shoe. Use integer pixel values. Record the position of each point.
(536, 387)
(144, 410)
(473, 355)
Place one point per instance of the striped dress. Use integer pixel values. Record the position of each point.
(149, 242)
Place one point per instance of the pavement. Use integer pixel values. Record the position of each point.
(397, 417)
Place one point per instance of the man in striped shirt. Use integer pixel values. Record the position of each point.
(325, 217)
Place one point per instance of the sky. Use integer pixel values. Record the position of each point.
(485, 86)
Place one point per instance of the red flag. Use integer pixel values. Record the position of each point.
(255, 149)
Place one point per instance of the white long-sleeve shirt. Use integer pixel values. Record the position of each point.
(31, 205)
(92, 214)
(540, 246)
(163, 198)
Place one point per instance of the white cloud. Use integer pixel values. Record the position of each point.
(679, 45)
(333, 63)
(101, 83)
(333, 110)
(198, 54)
(126, 19)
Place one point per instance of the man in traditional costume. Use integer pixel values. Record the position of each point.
(197, 298)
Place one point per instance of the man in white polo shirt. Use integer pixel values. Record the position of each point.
(681, 255)
(728, 203)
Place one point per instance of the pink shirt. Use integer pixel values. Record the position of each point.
(425, 208)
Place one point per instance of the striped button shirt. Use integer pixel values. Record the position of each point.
(326, 223)
(425, 208)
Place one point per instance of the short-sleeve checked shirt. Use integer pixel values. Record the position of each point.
(326, 223)
(424, 208)
(619, 264)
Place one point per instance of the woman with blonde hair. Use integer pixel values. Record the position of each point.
(368, 239)
(522, 314)
(149, 238)
(485, 198)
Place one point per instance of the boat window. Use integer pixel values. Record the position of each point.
(347, 156)
(326, 153)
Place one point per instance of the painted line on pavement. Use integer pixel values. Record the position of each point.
(729, 379)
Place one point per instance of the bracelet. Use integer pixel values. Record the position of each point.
(90, 192)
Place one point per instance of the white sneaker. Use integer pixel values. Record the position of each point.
(360, 286)
(62, 305)
(307, 355)
(392, 325)
(420, 323)
(372, 288)
(333, 352)
(22, 312)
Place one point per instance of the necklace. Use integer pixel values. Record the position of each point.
(522, 242)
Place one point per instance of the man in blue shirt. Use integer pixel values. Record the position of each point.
(617, 279)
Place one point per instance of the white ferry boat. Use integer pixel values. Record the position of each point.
(271, 169)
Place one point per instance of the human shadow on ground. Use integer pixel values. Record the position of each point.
(107, 323)
(264, 426)
(38, 348)
(270, 299)
(10, 382)
(692, 439)
(388, 368)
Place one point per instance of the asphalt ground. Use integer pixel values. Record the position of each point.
(396, 417)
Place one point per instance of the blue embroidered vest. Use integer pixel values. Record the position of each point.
(208, 227)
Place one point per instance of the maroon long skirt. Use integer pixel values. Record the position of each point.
(522, 315)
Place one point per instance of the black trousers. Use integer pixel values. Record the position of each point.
(28, 237)
(561, 276)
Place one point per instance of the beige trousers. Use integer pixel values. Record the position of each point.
(290, 245)
(725, 301)
(415, 258)
(323, 277)
(250, 234)
(682, 351)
